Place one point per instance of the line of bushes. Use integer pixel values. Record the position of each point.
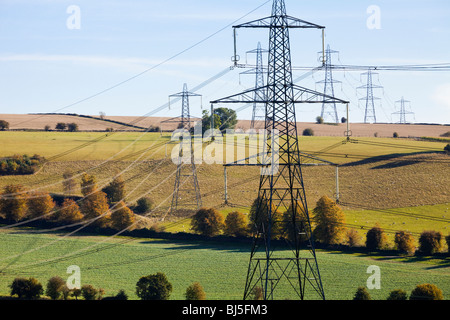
(20, 164)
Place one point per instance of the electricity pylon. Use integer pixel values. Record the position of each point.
(403, 112)
(186, 191)
(258, 113)
(369, 114)
(283, 257)
(329, 110)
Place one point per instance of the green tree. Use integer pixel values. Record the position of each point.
(236, 224)
(154, 287)
(308, 132)
(115, 191)
(89, 292)
(61, 126)
(430, 242)
(206, 121)
(319, 120)
(143, 205)
(26, 288)
(397, 294)
(330, 221)
(13, 202)
(300, 229)
(376, 238)
(362, 294)
(195, 292)
(260, 219)
(447, 148)
(4, 125)
(72, 127)
(122, 217)
(228, 118)
(426, 291)
(55, 287)
(208, 222)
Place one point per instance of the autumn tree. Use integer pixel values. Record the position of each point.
(95, 207)
(55, 287)
(330, 221)
(69, 212)
(122, 217)
(208, 222)
(426, 291)
(88, 184)
(195, 292)
(13, 202)
(40, 204)
(404, 242)
(236, 224)
(26, 288)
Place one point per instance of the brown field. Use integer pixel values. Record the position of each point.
(38, 122)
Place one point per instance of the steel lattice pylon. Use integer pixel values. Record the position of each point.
(403, 112)
(329, 109)
(369, 114)
(283, 254)
(186, 191)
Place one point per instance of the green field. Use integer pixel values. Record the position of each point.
(219, 267)
(73, 146)
(402, 185)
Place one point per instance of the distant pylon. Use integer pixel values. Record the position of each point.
(369, 114)
(259, 110)
(283, 256)
(329, 110)
(403, 112)
(186, 192)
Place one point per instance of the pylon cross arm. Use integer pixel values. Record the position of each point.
(288, 21)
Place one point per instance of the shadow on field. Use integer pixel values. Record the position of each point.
(394, 156)
(200, 245)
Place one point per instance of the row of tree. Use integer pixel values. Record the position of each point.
(425, 291)
(329, 227)
(20, 164)
(151, 287)
(157, 287)
(101, 207)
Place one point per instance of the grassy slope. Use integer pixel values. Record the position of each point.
(219, 267)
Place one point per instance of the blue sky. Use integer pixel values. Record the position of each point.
(46, 66)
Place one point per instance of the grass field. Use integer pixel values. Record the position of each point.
(393, 182)
(219, 267)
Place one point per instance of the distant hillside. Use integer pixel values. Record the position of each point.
(134, 123)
